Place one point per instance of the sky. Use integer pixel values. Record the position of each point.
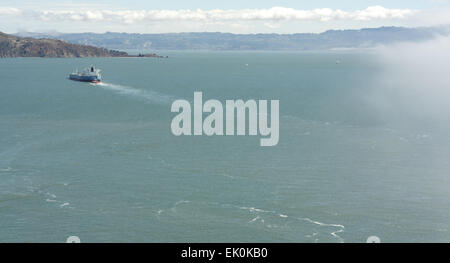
(235, 16)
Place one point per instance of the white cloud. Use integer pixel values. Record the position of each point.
(379, 12)
(274, 14)
(7, 11)
(272, 25)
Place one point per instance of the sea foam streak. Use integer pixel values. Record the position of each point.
(268, 218)
(148, 95)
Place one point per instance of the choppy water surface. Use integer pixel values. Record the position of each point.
(357, 156)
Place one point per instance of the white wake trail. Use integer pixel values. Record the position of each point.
(147, 95)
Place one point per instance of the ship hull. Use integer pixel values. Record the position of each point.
(92, 79)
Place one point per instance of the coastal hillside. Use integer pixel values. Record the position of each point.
(12, 46)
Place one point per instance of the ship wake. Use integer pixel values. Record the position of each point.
(146, 95)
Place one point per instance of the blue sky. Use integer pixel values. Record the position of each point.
(238, 4)
(237, 16)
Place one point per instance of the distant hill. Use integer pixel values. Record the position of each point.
(362, 38)
(45, 46)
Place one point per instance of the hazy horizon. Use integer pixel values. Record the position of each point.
(221, 32)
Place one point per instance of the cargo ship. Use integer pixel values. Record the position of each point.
(90, 74)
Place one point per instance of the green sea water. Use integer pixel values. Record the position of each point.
(357, 157)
